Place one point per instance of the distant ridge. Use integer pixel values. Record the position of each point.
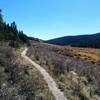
(91, 41)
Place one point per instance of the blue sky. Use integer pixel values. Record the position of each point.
(48, 19)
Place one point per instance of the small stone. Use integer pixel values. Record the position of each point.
(4, 85)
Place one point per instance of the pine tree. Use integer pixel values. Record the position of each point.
(1, 18)
(14, 30)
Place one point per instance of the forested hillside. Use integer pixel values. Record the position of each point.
(92, 41)
(10, 33)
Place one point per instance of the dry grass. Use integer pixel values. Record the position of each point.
(88, 54)
(19, 80)
(59, 61)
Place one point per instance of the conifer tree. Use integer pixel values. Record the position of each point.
(1, 18)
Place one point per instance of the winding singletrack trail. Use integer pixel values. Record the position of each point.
(50, 81)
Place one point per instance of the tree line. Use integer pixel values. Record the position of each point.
(10, 33)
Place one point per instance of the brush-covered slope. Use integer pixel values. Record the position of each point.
(78, 41)
(78, 78)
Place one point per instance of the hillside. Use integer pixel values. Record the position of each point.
(10, 33)
(33, 70)
(14, 37)
(77, 75)
(19, 80)
(92, 41)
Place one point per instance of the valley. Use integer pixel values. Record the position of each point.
(64, 68)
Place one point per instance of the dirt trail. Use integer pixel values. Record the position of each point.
(50, 81)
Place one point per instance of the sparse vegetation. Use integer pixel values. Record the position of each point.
(19, 80)
(78, 78)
